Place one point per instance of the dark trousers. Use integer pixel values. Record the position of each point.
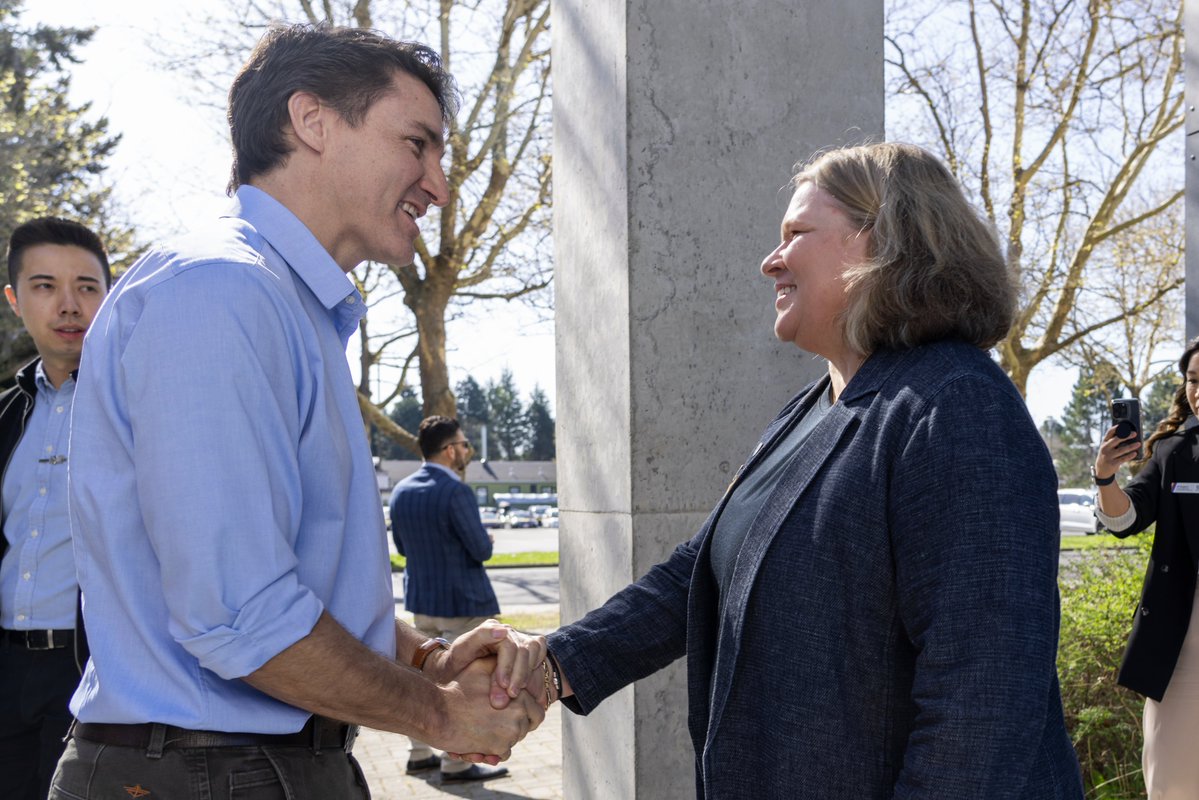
(35, 687)
(90, 771)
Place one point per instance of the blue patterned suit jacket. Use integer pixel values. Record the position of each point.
(435, 524)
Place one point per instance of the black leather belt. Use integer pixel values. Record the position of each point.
(320, 733)
(40, 639)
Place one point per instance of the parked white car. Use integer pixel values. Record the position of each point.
(1077, 510)
(491, 517)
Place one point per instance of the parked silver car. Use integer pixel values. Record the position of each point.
(491, 517)
(1077, 510)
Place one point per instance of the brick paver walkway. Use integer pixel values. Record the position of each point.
(535, 768)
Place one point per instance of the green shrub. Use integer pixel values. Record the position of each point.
(1100, 591)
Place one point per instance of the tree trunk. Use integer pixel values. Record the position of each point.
(373, 414)
(437, 396)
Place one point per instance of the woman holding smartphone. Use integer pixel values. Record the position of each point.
(1161, 661)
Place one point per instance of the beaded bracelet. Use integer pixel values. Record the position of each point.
(557, 672)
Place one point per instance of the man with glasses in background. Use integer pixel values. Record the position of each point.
(436, 526)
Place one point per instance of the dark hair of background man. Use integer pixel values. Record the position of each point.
(53, 230)
(434, 433)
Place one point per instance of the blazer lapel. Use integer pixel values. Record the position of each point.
(702, 605)
(779, 428)
(842, 419)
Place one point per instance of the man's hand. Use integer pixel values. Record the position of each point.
(472, 726)
(518, 658)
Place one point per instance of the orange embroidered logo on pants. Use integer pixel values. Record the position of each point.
(137, 791)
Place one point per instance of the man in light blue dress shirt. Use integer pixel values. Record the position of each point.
(57, 275)
(228, 528)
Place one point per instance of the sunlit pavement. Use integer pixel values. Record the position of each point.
(535, 769)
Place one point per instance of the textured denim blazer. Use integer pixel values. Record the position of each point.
(891, 627)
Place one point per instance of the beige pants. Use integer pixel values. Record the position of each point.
(448, 628)
(1171, 755)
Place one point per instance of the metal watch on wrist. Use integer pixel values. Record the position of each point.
(426, 647)
(1101, 481)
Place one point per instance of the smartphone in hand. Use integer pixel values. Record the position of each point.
(1126, 416)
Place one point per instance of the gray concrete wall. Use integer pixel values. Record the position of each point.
(676, 125)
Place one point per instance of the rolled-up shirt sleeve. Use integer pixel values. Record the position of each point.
(215, 397)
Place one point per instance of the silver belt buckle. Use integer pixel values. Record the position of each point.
(49, 641)
(351, 735)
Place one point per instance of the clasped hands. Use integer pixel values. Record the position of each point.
(492, 676)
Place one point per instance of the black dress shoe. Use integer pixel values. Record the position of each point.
(420, 765)
(475, 772)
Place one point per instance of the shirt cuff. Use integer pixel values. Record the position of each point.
(1120, 523)
(260, 632)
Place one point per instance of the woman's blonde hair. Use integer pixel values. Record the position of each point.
(935, 269)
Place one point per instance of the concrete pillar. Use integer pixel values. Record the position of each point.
(676, 125)
(1191, 26)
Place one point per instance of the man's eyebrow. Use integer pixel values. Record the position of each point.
(39, 277)
(433, 135)
(87, 278)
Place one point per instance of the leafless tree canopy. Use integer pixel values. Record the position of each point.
(491, 241)
(1063, 118)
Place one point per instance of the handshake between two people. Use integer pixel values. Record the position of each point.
(497, 685)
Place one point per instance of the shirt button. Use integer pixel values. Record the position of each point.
(33, 533)
(49, 448)
(42, 490)
(351, 301)
(20, 617)
(1165, 567)
(1144, 611)
(26, 576)
(59, 409)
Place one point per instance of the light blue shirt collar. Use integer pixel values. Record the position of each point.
(444, 469)
(300, 249)
(43, 382)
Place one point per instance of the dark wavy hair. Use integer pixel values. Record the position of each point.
(434, 433)
(1180, 408)
(348, 68)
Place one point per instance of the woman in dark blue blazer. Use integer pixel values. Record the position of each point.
(871, 609)
(1162, 657)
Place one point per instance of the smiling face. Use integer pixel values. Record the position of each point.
(381, 176)
(808, 267)
(59, 289)
(1192, 384)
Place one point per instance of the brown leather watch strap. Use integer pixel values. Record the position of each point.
(426, 647)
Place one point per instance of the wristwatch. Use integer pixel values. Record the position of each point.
(426, 647)
(1101, 481)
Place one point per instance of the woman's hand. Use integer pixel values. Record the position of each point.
(1114, 452)
(518, 659)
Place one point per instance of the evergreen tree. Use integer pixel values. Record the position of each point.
(507, 431)
(51, 155)
(539, 423)
(406, 412)
(1158, 401)
(473, 411)
(1086, 418)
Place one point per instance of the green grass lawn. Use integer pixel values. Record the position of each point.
(535, 558)
(1100, 541)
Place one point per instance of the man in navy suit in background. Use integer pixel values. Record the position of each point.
(435, 524)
